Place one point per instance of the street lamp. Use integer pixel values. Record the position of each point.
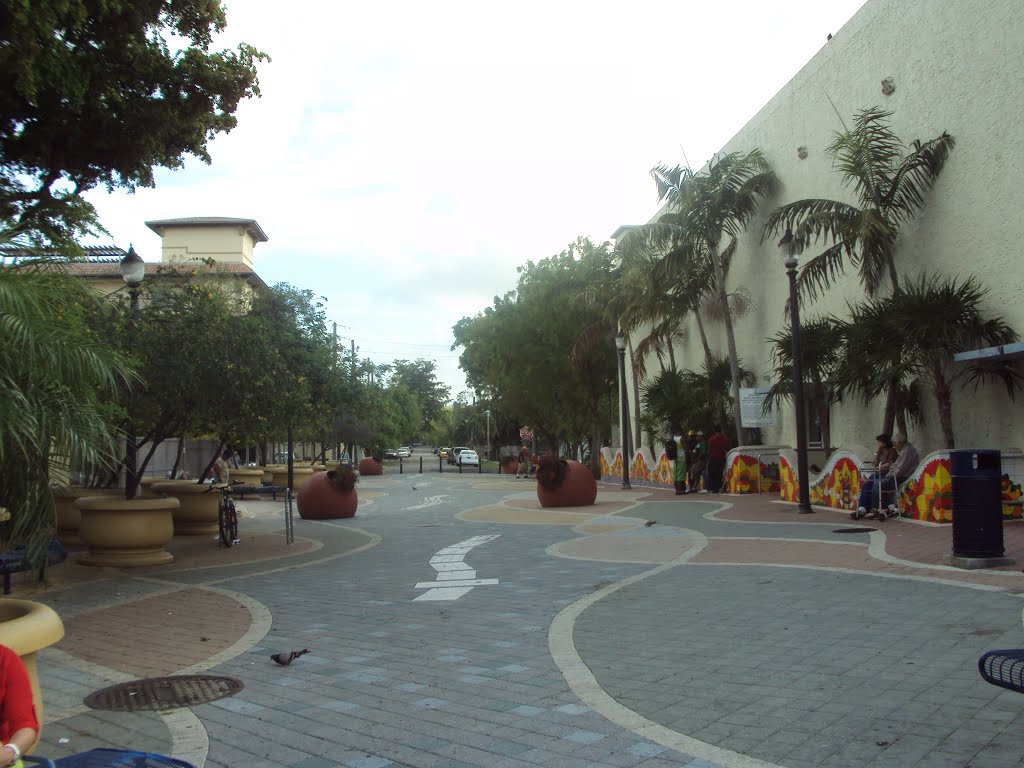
(804, 504)
(620, 344)
(488, 412)
(132, 269)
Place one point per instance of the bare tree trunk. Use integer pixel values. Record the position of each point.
(178, 456)
(635, 439)
(730, 340)
(944, 398)
(703, 337)
(889, 415)
(671, 354)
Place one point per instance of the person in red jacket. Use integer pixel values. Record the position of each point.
(19, 726)
(718, 448)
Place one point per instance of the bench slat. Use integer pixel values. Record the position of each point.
(1004, 668)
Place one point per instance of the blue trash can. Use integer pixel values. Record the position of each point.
(977, 503)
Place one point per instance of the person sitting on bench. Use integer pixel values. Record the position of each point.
(895, 460)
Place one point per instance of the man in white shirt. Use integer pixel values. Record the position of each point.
(901, 469)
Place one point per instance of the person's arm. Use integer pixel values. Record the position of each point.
(22, 741)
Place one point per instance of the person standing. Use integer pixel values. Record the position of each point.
(698, 462)
(19, 724)
(675, 449)
(718, 449)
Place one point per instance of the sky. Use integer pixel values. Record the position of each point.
(406, 157)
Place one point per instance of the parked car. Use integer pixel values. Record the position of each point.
(404, 452)
(443, 452)
(391, 453)
(454, 452)
(468, 457)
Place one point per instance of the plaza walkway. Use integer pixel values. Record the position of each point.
(455, 623)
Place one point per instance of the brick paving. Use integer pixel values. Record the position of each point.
(728, 632)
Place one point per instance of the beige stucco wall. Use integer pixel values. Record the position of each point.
(957, 66)
(229, 244)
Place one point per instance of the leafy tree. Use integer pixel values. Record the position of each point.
(707, 209)
(686, 399)
(420, 376)
(912, 336)
(518, 350)
(93, 94)
(890, 185)
(822, 344)
(55, 378)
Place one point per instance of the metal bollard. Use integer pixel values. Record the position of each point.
(421, 465)
(401, 463)
(479, 467)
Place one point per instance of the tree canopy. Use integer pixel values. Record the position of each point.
(99, 93)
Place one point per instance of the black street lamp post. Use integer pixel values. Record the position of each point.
(620, 344)
(804, 503)
(133, 270)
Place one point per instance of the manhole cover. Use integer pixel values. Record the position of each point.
(164, 693)
(853, 530)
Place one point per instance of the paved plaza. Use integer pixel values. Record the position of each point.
(455, 623)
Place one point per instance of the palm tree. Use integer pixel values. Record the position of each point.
(913, 335)
(822, 343)
(56, 381)
(708, 208)
(890, 187)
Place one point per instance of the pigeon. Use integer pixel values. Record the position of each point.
(286, 658)
(649, 523)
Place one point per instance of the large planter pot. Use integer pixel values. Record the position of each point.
(126, 533)
(196, 514)
(577, 489)
(300, 474)
(319, 499)
(69, 517)
(268, 472)
(26, 628)
(370, 466)
(248, 476)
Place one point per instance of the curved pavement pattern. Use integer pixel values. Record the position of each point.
(648, 630)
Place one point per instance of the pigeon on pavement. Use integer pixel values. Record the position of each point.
(285, 658)
(649, 523)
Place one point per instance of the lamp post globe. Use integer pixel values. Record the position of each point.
(620, 345)
(788, 247)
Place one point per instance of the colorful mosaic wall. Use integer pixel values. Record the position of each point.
(837, 486)
(639, 470)
(741, 474)
(928, 494)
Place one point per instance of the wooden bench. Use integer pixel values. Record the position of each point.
(14, 561)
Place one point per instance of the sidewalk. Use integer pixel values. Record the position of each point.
(711, 630)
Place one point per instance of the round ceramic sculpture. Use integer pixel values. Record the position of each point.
(370, 466)
(320, 499)
(577, 488)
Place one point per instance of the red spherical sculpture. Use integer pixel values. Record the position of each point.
(320, 499)
(370, 466)
(571, 485)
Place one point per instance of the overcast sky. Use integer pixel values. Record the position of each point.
(406, 157)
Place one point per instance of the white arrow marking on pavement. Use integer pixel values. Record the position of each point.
(454, 577)
(430, 501)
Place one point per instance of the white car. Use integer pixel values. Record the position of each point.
(468, 457)
(404, 452)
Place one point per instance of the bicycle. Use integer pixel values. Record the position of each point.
(227, 515)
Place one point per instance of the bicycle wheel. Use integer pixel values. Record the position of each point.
(227, 522)
(232, 522)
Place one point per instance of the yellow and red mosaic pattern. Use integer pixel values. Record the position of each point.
(836, 487)
(741, 476)
(662, 474)
(638, 469)
(788, 490)
(928, 494)
(1011, 492)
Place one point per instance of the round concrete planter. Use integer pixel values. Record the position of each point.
(318, 499)
(247, 476)
(69, 517)
(196, 514)
(126, 533)
(370, 466)
(300, 473)
(26, 628)
(577, 489)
